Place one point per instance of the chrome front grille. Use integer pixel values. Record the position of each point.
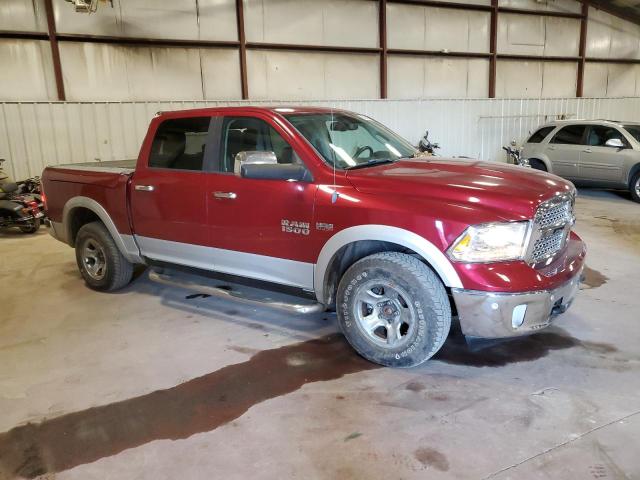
(544, 247)
(551, 226)
(559, 214)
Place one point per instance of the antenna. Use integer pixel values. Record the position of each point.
(334, 195)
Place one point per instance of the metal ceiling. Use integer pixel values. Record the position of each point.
(627, 9)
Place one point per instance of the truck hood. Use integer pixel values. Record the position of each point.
(512, 192)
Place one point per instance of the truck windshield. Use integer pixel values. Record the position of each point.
(350, 141)
(633, 130)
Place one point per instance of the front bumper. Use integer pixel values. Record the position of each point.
(499, 315)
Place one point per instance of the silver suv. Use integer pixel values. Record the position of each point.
(599, 153)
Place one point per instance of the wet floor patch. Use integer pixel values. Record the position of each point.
(430, 457)
(593, 278)
(514, 350)
(199, 405)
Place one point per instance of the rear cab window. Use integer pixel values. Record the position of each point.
(540, 135)
(570, 135)
(180, 144)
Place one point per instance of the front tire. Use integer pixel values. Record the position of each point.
(634, 187)
(393, 309)
(101, 264)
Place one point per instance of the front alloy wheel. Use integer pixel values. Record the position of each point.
(393, 309)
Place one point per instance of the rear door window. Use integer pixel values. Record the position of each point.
(570, 135)
(180, 144)
(540, 135)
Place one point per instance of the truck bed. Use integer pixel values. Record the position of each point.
(115, 166)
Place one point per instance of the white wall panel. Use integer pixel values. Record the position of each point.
(611, 79)
(567, 6)
(220, 73)
(518, 79)
(559, 79)
(178, 19)
(428, 28)
(23, 16)
(413, 77)
(352, 23)
(536, 35)
(611, 37)
(26, 71)
(94, 71)
(291, 75)
(33, 135)
(217, 20)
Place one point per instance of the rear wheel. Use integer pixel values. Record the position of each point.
(393, 309)
(32, 227)
(101, 264)
(634, 187)
(538, 165)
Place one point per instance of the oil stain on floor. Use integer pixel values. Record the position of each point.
(514, 350)
(593, 278)
(199, 405)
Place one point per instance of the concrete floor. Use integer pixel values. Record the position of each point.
(148, 383)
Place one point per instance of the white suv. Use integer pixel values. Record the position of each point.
(599, 153)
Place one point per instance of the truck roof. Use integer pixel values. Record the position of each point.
(270, 109)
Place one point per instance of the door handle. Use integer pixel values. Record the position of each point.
(587, 150)
(145, 188)
(227, 195)
(552, 148)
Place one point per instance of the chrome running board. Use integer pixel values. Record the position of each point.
(191, 283)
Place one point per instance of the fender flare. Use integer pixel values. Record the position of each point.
(125, 243)
(543, 159)
(423, 247)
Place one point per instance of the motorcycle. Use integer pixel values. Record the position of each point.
(22, 210)
(514, 155)
(426, 146)
(16, 210)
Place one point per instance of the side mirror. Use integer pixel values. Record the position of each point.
(615, 143)
(426, 134)
(253, 158)
(293, 172)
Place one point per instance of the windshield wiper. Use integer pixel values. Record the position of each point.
(371, 163)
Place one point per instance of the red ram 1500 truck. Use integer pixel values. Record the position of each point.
(331, 205)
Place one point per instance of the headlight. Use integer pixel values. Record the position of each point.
(491, 242)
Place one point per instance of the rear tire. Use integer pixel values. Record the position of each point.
(32, 227)
(634, 187)
(393, 309)
(538, 165)
(99, 260)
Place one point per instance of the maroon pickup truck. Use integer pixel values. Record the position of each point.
(336, 209)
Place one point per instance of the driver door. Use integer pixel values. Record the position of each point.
(260, 228)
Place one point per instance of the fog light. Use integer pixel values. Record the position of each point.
(517, 317)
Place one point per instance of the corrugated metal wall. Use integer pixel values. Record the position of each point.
(36, 134)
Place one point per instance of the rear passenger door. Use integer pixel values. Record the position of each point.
(169, 194)
(564, 150)
(598, 162)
